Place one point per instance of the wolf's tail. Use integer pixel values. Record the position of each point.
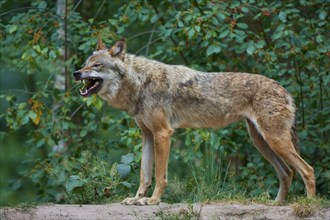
(295, 139)
(295, 142)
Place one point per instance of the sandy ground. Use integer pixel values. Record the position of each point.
(162, 211)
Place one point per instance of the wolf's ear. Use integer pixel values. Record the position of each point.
(119, 49)
(100, 45)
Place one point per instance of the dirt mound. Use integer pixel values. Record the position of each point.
(163, 211)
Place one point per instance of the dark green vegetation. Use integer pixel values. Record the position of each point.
(59, 147)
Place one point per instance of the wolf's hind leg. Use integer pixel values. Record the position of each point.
(283, 171)
(147, 161)
(278, 135)
(284, 147)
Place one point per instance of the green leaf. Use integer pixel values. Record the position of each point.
(215, 21)
(74, 182)
(245, 9)
(205, 43)
(41, 142)
(242, 25)
(89, 101)
(127, 184)
(33, 115)
(180, 24)
(323, 15)
(11, 98)
(98, 103)
(25, 55)
(127, 159)
(22, 105)
(12, 29)
(212, 49)
(113, 170)
(37, 175)
(42, 5)
(221, 16)
(319, 38)
(250, 49)
(224, 33)
(123, 170)
(154, 19)
(37, 48)
(83, 133)
(44, 51)
(197, 28)
(25, 119)
(52, 55)
(260, 44)
(191, 33)
(282, 16)
(277, 34)
(213, 138)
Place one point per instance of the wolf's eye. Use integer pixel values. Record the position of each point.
(97, 64)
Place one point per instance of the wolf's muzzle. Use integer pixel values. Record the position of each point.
(77, 75)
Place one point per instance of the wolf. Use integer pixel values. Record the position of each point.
(164, 97)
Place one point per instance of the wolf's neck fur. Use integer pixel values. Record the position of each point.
(126, 95)
(139, 64)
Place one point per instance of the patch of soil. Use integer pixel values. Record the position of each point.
(162, 211)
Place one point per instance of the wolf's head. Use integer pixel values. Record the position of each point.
(103, 69)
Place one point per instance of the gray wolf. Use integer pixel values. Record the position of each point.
(164, 97)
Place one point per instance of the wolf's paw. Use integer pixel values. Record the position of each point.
(130, 201)
(147, 201)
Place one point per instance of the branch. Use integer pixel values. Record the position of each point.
(171, 37)
(300, 83)
(147, 45)
(150, 39)
(41, 9)
(75, 7)
(66, 72)
(142, 33)
(98, 10)
(264, 33)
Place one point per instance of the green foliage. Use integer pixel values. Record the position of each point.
(96, 179)
(75, 145)
(68, 170)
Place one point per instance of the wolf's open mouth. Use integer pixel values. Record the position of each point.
(90, 85)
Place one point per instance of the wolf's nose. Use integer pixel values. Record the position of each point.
(77, 74)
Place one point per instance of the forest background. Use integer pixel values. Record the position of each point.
(59, 147)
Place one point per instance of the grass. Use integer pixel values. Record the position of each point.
(192, 191)
(304, 207)
(211, 182)
(182, 214)
(26, 207)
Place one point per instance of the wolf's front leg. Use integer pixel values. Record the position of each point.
(147, 161)
(162, 149)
